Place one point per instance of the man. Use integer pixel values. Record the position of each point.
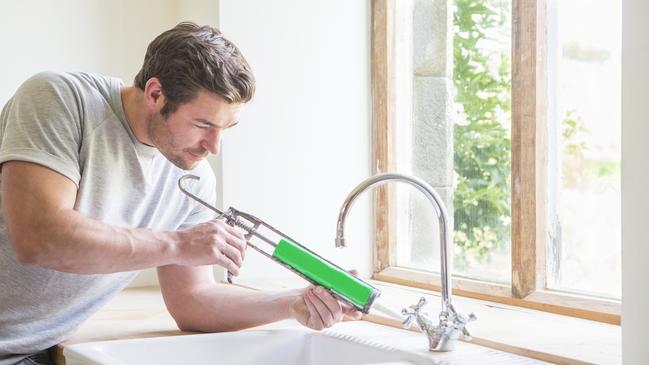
(89, 197)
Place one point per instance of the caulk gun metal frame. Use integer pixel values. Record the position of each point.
(234, 218)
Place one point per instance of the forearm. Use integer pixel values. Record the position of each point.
(68, 241)
(224, 307)
(198, 303)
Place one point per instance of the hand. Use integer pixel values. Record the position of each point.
(316, 308)
(213, 242)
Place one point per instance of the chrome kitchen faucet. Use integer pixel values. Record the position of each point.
(452, 325)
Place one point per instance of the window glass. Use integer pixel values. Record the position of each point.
(453, 130)
(584, 64)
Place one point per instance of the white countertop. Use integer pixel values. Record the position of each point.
(140, 313)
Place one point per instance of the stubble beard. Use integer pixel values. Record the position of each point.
(161, 137)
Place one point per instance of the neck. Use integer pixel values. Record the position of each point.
(136, 113)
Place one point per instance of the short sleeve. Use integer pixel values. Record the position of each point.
(42, 124)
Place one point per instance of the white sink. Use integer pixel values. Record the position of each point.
(353, 343)
(275, 346)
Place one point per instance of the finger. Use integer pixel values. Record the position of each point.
(235, 237)
(353, 272)
(225, 262)
(228, 256)
(232, 253)
(314, 316)
(352, 313)
(235, 232)
(321, 307)
(229, 245)
(238, 244)
(332, 305)
(221, 226)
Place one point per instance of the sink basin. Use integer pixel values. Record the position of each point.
(271, 346)
(352, 343)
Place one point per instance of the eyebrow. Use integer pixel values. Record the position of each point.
(205, 121)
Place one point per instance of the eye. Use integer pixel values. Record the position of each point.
(201, 126)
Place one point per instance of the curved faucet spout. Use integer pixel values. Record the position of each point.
(440, 209)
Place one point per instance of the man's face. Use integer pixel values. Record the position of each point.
(194, 130)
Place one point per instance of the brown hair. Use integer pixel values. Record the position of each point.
(188, 58)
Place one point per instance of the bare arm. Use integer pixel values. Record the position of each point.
(198, 303)
(45, 230)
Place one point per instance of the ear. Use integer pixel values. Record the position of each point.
(153, 95)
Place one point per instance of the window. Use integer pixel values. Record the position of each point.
(510, 110)
(584, 76)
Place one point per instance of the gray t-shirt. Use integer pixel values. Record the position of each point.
(74, 124)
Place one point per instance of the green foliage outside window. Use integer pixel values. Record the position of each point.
(482, 142)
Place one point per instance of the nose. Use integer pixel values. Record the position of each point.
(212, 141)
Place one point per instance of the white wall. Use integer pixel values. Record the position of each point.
(635, 181)
(304, 142)
(106, 37)
(77, 35)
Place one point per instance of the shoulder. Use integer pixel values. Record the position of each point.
(65, 83)
(64, 86)
(46, 94)
(49, 78)
(88, 98)
(46, 81)
(67, 78)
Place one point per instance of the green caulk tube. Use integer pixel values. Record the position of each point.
(346, 286)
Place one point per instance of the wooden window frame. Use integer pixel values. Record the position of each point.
(529, 166)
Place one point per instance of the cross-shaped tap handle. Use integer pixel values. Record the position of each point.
(412, 312)
(461, 321)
